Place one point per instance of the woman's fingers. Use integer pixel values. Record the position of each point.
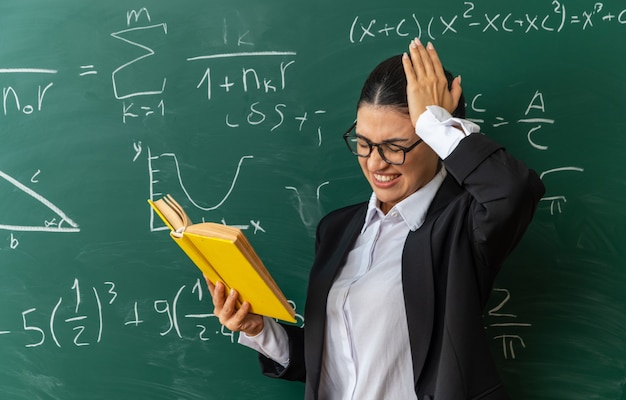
(416, 58)
(218, 294)
(409, 72)
(230, 305)
(426, 62)
(230, 314)
(415, 108)
(224, 306)
(455, 91)
(209, 285)
(426, 80)
(423, 57)
(240, 319)
(435, 62)
(237, 322)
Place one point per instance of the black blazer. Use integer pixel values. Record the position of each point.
(449, 264)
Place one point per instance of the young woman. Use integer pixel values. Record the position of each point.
(399, 283)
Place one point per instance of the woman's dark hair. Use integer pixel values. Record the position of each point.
(386, 86)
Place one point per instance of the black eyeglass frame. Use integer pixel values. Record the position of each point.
(371, 146)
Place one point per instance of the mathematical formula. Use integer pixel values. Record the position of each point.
(508, 329)
(237, 75)
(472, 18)
(84, 316)
(534, 119)
(308, 209)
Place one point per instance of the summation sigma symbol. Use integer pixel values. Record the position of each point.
(129, 97)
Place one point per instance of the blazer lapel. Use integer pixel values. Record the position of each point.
(327, 266)
(418, 279)
(419, 294)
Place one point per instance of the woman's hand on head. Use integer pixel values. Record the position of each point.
(225, 309)
(426, 81)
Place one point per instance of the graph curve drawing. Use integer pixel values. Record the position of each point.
(172, 159)
(65, 224)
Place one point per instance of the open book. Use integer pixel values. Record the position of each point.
(224, 254)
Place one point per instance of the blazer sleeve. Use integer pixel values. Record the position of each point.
(504, 192)
(296, 370)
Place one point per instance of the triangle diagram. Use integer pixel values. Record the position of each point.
(52, 218)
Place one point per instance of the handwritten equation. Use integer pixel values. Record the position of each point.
(218, 76)
(142, 96)
(83, 317)
(533, 119)
(508, 330)
(262, 73)
(556, 18)
(254, 88)
(140, 99)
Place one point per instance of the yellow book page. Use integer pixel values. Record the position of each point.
(213, 229)
(170, 212)
(161, 209)
(236, 272)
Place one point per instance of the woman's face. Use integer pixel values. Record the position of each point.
(394, 183)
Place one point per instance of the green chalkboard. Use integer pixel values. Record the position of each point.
(237, 109)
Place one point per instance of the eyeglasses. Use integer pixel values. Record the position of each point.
(391, 153)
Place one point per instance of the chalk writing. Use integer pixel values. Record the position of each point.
(223, 78)
(87, 70)
(553, 18)
(81, 319)
(33, 179)
(256, 226)
(134, 67)
(13, 242)
(534, 116)
(170, 158)
(264, 79)
(249, 76)
(69, 325)
(148, 53)
(144, 97)
(536, 104)
(308, 209)
(131, 110)
(505, 321)
(9, 94)
(557, 200)
(52, 225)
